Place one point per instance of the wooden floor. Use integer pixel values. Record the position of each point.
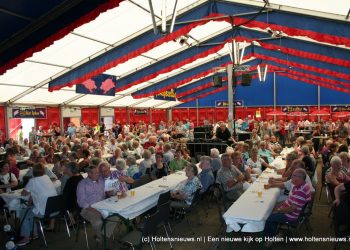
(201, 234)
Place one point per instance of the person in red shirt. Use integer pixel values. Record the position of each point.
(11, 158)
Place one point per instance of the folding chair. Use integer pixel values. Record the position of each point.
(134, 238)
(55, 208)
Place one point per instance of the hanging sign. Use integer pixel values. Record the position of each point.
(99, 85)
(340, 108)
(37, 113)
(225, 103)
(257, 114)
(295, 109)
(168, 95)
(140, 111)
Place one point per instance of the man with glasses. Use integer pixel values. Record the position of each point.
(290, 209)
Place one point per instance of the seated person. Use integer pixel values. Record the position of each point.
(230, 178)
(178, 163)
(306, 158)
(256, 163)
(40, 187)
(89, 191)
(289, 210)
(342, 203)
(70, 189)
(132, 166)
(215, 160)
(121, 177)
(117, 155)
(287, 185)
(7, 180)
(288, 171)
(184, 191)
(84, 163)
(264, 152)
(206, 177)
(274, 145)
(237, 162)
(159, 169)
(167, 154)
(335, 174)
(47, 172)
(145, 165)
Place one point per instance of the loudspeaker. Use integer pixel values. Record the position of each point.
(246, 79)
(217, 81)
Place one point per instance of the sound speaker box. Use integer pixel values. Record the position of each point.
(217, 81)
(246, 79)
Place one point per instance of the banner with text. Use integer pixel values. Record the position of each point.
(168, 95)
(140, 112)
(37, 113)
(340, 108)
(295, 109)
(221, 104)
(99, 85)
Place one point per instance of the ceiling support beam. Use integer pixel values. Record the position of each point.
(112, 100)
(49, 64)
(141, 101)
(73, 99)
(15, 14)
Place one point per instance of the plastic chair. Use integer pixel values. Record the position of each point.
(134, 238)
(55, 208)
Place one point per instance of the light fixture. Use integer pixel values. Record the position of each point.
(184, 40)
(237, 55)
(262, 77)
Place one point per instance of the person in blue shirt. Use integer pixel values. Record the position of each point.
(184, 192)
(206, 177)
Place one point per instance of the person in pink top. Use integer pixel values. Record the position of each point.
(289, 210)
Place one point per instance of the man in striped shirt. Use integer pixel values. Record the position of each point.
(289, 210)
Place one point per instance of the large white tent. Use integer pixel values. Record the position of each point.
(28, 82)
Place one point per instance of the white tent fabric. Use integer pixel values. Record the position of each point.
(28, 82)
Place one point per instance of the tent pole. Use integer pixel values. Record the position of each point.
(318, 100)
(197, 114)
(274, 95)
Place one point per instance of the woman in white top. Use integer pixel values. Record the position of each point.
(7, 179)
(255, 162)
(39, 188)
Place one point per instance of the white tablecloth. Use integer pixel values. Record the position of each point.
(145, 198)
(13, 199)
(249, 212)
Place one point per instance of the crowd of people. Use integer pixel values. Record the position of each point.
(156, 151)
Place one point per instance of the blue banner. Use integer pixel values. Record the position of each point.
(99, 85)
(168, 95)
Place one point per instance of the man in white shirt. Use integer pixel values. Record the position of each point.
(40, 188)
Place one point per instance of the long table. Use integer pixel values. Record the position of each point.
(146, 197)
(250, 212)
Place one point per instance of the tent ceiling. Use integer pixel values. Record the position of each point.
(127, 28)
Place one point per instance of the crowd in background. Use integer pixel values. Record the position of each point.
(156, 151)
